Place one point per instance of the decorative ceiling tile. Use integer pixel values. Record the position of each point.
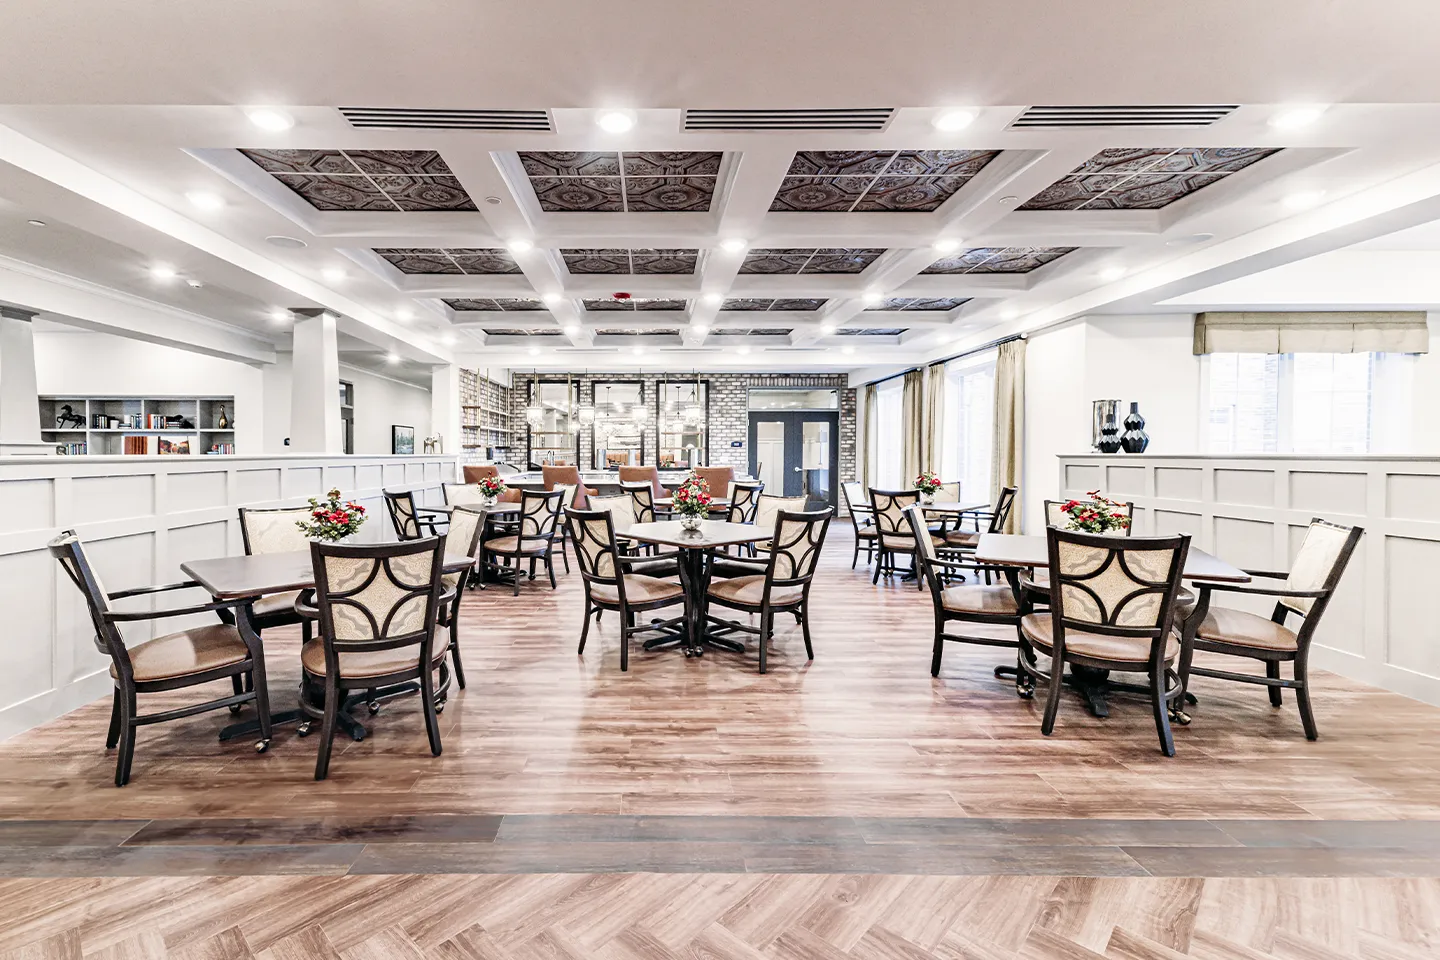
(634, 303)
(919, 303)
(509, 304)
(669, 194)
(419, 261)
(754, 304)
(643, 304)
(579, 194)
(642, 261)
(802, 304)
(425, 193)
(474, 260)
(870, 181)
(683, 164)
(587, 261)
(852, 163)
(366, 180)
(1141, 178)
(913, 194)
(997, 260)
(819, 194)
(570, 164)
(473, 303)
(506, 332)
(755, 332)
(842, 260)
(652, 261)
(301, 161)
(424, 163)
(939, 163)
(871, 331)
(744, 304)
(334, 192)
(590, 182)
(775, 260)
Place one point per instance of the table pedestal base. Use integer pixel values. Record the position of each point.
(347, 723)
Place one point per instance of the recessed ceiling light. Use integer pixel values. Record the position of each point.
(205, 200)
(392, 357)
(552, 299)
(279, 315)
(637, 350)
(519, 245)
(1303, 200)
(952, 120)
(712, 299)
(286, 243)
(615, 121)
(1110, 274)
(1293, 118)
(743, 349)
(572, 331)
(827, 328)
(1190, 241)
(404, 314)
(847, 349)
(1009, 200)
(872, 297)
(533, 350)
(36, 223)
(333, 274)
(946, 245)
(700, 330)
(733, 245)
(268, 118)
(162, 271)
(447, 337)
(493, 201)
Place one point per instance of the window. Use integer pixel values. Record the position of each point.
(1313, 403)
(969, 424)
(888, 462)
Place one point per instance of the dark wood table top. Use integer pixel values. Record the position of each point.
(951, 506)
(1017, 550)
(251, 576)
(712, 533)
(450, 508)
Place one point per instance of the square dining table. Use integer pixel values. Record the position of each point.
(260, 574)
(696, 547)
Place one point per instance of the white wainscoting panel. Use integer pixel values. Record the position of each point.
(1382, 627)
(140, 518)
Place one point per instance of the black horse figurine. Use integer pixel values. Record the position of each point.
(69, 416)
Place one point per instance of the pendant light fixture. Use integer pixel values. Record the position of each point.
(693, 414)
(535, 410)
(572, 419)
(640, 413)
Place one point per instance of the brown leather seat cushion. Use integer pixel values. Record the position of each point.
(276, 604)
(751, 590)
(906, 544)
(962, 538)
(867, 533)
(638, 589)
(510, 544)
(995, 601)
(187, 653)
(1039, 630)
(1225, 625)
(375, 663)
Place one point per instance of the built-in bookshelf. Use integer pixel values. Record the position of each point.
(485, 418)
(138, 425)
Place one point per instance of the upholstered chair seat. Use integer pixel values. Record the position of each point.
(993, 601)
(514, 545)
(187, 652)
(1039, 630)
(1226, 625)
(275, 605)
(962, 538)
(377, 663)
(751, 589)
(639, 589)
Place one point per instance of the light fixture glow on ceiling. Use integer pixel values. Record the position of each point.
(700, 329)
(945, 245)
(872, 297)
(392, 358)
(163, 271)
(519, 245)
(268, 118)
(552, 299)
(951, 120)
(847, 350)
(333, 274)
(743, 349)
(279, 315)
(1110, 274)
(733, 245)
(572, 331)
(712, 299)
(615, 121)
(827, 328)
(638, 350)
(1293, 118)
(533, 350)
(1303, 200)
(404, 314)
(205, 200)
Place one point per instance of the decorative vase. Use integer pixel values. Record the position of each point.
(927, 496)
(487, 501)
(690, 522)
(1134, 439)
(1109, 437)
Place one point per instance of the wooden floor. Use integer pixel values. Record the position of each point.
(706, 745)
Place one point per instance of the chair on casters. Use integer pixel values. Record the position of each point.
(863, 519)
(275, 531)
(1308, 587)
(610, 586)
(1112, 607)
(888, 508)
(534, 540)
(171, 662)
(744, 502)
(467, 526)
(410, 522)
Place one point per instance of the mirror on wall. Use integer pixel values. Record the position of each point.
(553, 437)
(620, 420)
(682, 421)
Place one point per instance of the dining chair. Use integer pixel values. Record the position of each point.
(997, 605)
(609, 583)
(562, 529)
(893, 530)
(174, 661)
(377, 606)
(1112, 607)
(784, 584)
(995, 518)
(458, 493)
(862, 518)
(720, 479)
(1306, 591)
(1036, 583)
(767, 514)
(642, 497)
(467, 527)
(533, 539)
(744, 502)
(409, 520)
(475, 472)
(553, 475)
(642, 474)
(275, 530)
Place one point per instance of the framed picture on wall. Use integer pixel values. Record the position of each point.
(402, 439)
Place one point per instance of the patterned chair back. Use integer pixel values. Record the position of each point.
(567, 494)
(273, 530)
(795, 547)
(768, 509)
(917, 524)
(1122, 586)
(539, 513)
(948, 492)
(744, 502)
(593, 534)
(377, 597)
(1319, 564)
(888, 507)
(466, 526)
(402, 513)
(643, 495)
(1055, 516)
(67, 549)
(1001, 514)
(621, 510)
(458, 493)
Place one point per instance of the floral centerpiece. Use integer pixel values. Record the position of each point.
(927, 483)
(1096, 515)
(332, 519)
(490, 489)
(692, 501)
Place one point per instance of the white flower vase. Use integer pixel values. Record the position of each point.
(690, 522)
(927, 496)
(487, 501)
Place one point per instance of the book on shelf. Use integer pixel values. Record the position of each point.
(221, 449)
(71, 449)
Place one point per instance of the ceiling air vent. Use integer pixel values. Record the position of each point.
(400, 118)
(1182, 115)
(760, 120)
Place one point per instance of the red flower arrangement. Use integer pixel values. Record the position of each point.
(692, 498)
(927, 482)
(1096, 515)
(491, 487)
(332, 519)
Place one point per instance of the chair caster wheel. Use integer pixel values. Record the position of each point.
(374, 707)
(358, 735)
(1180, 717)
(262, 746)
(440, 706)
(303, 730)
(1025, 689)
(234, 709)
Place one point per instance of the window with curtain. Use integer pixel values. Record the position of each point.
(969, 425)
(1312, 403)
(887, 443)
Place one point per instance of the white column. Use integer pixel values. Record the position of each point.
(19, 398)
(315, 385)
(445, 407)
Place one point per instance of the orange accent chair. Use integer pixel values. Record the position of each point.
(642, 474)
(719, 479)
(475, 472)
(569, 476)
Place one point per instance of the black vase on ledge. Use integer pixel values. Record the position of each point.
(1134, 439)
(1109, 437)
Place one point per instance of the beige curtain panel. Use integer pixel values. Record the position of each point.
(934, 418)
(867, 444)
(912, 427)
(1315, 332)
(1009, 441)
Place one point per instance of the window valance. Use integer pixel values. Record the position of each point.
(1316, 332)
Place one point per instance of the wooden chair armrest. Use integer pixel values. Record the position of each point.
(126, 616)
(1270, 574)
(141, 591)
(1263, 591)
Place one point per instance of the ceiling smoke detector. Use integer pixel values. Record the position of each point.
(494, 201)
(286, 243)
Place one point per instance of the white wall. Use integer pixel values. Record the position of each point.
(379, 403)
(1057, 414)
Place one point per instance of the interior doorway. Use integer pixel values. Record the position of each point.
(796, 453)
